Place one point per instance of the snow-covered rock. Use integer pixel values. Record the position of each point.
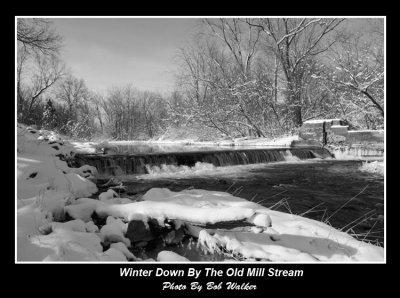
(91, 227)
(122, 248)
(82, 208)
(108, 195)
(114, 231)
(113, 255)
(170, 256)
(76, 225)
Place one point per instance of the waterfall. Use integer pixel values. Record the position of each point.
(139, 163)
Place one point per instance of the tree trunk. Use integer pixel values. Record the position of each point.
(295, 104)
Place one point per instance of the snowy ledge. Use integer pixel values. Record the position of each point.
(93, 147)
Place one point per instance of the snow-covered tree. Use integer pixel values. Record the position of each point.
(297, 42)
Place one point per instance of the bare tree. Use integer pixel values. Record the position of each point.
(241, 39)
(36, 35)
(96, 100)
(47, 71)
(296, 43)
(73, 92)
(353, 76)
(214, 70)
(38, 64)
(22, 57)
(359, 66)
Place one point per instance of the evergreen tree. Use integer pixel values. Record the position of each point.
(49, 119)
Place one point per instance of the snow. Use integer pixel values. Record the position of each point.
(76, 225)
(299, 239)
(366, 130)
(321, 121)
(376, 167)
(36, 173)
(113, 255)
(82, 208)
(108, 195)
(209, 213)
(170, 256)
(49, 192)
(261, 220)
(45, 185)
(91, 227)
(85, 147)
(340, 126)
(124, 249)
(94, 147)
(114, 231)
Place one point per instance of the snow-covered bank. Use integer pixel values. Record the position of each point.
(376, 167)
(45, 184)
(279, 142)
(56, 221)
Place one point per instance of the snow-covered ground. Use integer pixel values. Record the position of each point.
(55, 223)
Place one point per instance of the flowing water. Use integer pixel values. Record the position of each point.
(303, 181)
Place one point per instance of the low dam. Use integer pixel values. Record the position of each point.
(119, 164)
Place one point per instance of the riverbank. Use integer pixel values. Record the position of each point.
(59, 220)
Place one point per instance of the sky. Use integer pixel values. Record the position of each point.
(108, 52)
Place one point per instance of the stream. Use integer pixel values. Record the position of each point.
(324, 189)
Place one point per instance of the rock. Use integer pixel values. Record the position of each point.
(261, 220)
(141, 244)
(229, 225)
(119, 188)
(108, 195)
(33, 175)
(174, 237)
(122, 248)
(91, 227)
(114, 231)
(137, 189)
(138, 232)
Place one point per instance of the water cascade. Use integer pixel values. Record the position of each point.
(136, 163)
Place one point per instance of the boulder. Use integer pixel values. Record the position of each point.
(138, 231)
